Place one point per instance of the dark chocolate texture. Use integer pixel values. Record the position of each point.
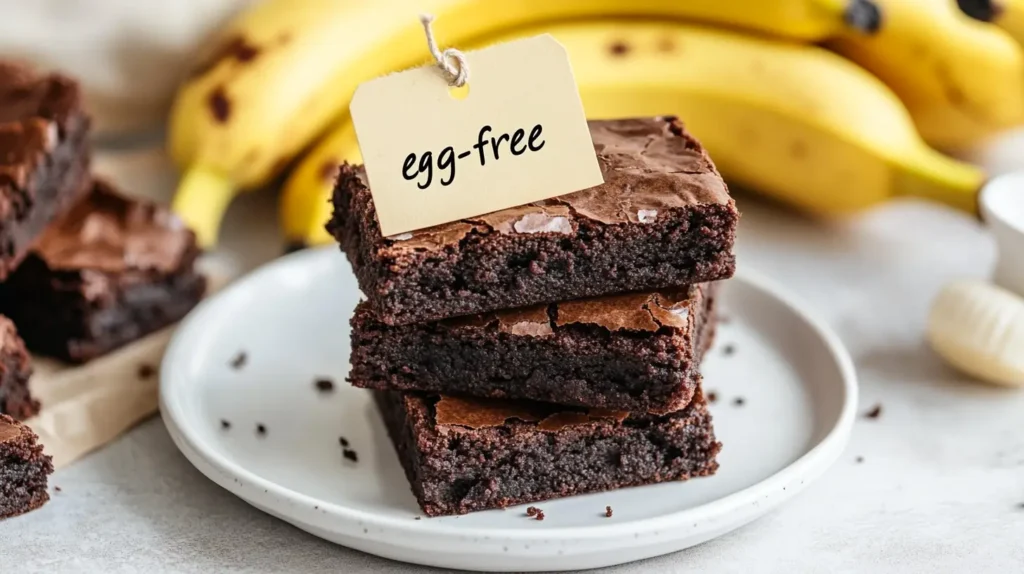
(110, 271)
(636, 352)
(663, 218)
(478, 454)
(24, 469)
(15, 372)
(44, 156)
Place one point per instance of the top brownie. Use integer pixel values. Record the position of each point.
(662, 218)
(44, 156)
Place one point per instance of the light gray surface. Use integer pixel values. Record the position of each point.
(940, 488)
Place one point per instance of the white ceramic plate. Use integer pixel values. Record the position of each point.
(290, 318)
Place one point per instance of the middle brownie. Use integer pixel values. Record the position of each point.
(637, 352)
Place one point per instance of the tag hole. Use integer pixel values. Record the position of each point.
(459, 93)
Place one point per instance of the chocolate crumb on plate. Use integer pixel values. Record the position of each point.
(875, 412)
(729, 350)
(146, 371)
(343, 441)
(540, 515)
(225, 424)
(712, 396)
(350, 454)
(860, 459)
(239, 361)
(739, 401)
(324, 385)
(56, 489)
(608, 511)
(261, 429)
(418, 518)
(532, 511)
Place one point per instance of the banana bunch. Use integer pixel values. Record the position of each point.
(828, 129)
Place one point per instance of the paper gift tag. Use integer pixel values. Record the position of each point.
(519, 135)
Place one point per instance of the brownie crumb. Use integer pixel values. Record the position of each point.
(712, 396)
(343, 441)
(729, 350)
(324, 385)
(619, 49)
(417, 518)
(540, 515)
(146, 371)
(608, 511)
(739, 401)
(875, 412)
(261, 429)
(860, 459)
(225, 424)
(56, 489)
(350, 454)
(532, 511)
(239, 361)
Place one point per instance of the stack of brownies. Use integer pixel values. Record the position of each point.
(83, 269)
(550, 349)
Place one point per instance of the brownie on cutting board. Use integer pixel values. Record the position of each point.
(637, 352)
(108, 272)
(462, 455)
(663, 218)
(44, 156)
(24, 469)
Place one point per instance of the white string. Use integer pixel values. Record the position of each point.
(451, 61)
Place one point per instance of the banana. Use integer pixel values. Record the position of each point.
(283, 70)
(962, 80)
(979, 329)
(796, 122)
(1007, 14)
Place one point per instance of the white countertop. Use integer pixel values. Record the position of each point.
(940, 488)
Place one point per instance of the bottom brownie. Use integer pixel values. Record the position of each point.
(24, 469)
(110, 271)
(461, 455)
(15, 371)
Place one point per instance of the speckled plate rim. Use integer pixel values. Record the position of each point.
(298, 508)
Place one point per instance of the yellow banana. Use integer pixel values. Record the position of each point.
(1006, 14)
(795, 122)
(286, 68)
(962, 80)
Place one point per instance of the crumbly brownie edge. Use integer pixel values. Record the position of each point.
(576, 364)
(24, 473)
(460, 472)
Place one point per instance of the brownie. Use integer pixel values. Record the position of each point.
(23, 469)
(15, 371)
(637, 352)
(44, 156)
(110, 271)
(461, 455)
(663, 218)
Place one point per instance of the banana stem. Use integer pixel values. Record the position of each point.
(201, 200)
(942, 179)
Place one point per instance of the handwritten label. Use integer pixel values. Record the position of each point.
(518, 136)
